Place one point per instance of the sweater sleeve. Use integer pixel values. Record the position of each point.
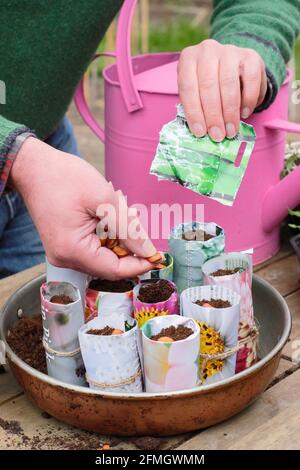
(268, 26)
(12, 136)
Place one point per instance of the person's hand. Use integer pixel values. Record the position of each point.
(218, 85)
(62, 193)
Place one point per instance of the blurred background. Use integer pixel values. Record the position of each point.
(158, 26)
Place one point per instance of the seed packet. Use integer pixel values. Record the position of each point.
(62, 315)
(234, 271)
(200, 164)
(191, 244)
(219, 328)
(170, 366)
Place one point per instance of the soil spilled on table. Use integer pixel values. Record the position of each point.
(215, 303)
(61, 299)
(154, 292)
(199, 235)
(173, 333)
(25, 339)
(226, 272)
(103, 285)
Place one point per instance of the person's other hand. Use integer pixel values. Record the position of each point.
(218, 85)
(62, 193)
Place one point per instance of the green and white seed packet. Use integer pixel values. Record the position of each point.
(200, 164)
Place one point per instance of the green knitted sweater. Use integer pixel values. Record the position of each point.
(45, 47)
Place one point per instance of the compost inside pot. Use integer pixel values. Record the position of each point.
(61, 299)
(173, 333)
(197, 234)
(104, 285)
(215, 303)
(25, 339)
(155, 292)
(226, 272)
(106, 331)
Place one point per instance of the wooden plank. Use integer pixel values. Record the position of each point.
(292, 348)
(10, 284)
(9, 387)
(33, 429)
(285, 250)
(284, 274)
(273, 403)
(278, 433)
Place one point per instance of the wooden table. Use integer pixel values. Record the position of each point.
(272, 422)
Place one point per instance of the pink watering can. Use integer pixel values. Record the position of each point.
(140, 97)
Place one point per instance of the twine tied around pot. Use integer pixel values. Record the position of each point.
(252, 336)
(49, 350)
(127, 381)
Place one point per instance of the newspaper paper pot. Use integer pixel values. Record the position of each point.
(77, 278)
(61, 323)
(241, 283)
(163, 273)
(100, 301)
(145, 311)
(219, 328)
(189, 255)
(112, 362)
(170, 366)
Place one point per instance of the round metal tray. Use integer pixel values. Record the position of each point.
(152, 413)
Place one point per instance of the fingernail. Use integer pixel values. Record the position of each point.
(230, 130)
(245, 112)
(216, 134)
(198, 130)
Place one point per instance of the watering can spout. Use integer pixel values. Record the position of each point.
(280, 198)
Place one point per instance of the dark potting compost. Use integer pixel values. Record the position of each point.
(175, 333)
(155, 291)
(215, 303)
(103, 285)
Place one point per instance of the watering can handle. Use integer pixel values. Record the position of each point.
(130, 93)
(83, 108)
(285, 194)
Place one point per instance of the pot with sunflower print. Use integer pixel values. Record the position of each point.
(62, 315)
(217, 311)
(234, 271)
(171, 347)
(154, 298)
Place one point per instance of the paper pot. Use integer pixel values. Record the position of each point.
(98, 302)
(223, 326)
(189, 256)
(112, 362)
(78, 279)
(170, 366)
(241, 283)
(61, 324)
(163, 273)
(145, 311)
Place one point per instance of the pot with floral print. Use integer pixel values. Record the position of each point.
(171, 347)
(234, 271)
(154, 298)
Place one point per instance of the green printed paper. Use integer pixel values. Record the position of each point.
(200, 164)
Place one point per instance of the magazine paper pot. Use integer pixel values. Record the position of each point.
(61, 324)
(170, 366)
(112, 362)
(98, 302)
(189, 255)
(241, 283)
(163, 273)
(222, 324)
(145, 311)
(77, 278)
